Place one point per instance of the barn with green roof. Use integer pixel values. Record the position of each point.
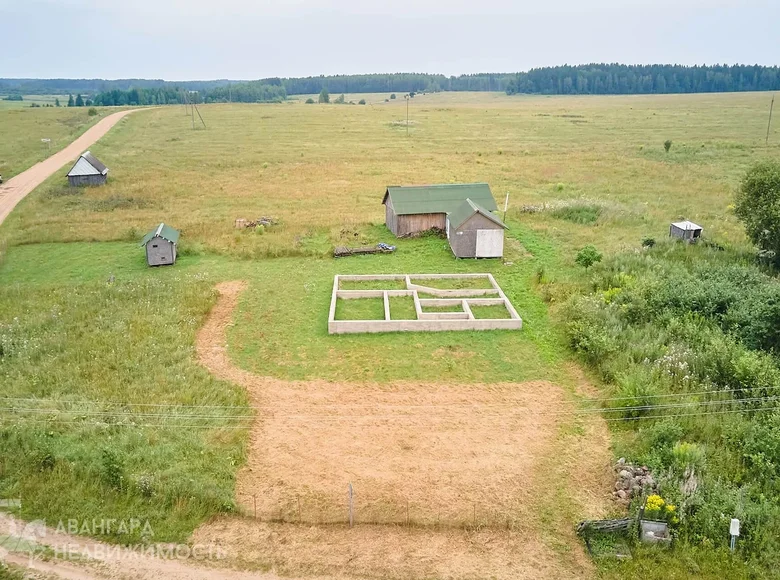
(463, 210)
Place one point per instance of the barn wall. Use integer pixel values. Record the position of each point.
(164, 253)
(80, 180)
(411, 224)
(463, 240)
(390, 218)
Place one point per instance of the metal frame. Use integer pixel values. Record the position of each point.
(425, 321)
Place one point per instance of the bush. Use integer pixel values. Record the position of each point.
(92, 112)
(362, 102)
(309, 101)
(648, 242)
(588, 256)
(340, 99)
(667, 145)
(392, 96)
(324, 96)
(112, 469)
(757, 204)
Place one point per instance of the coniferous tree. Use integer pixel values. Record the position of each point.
(70, 101)
(79, 101)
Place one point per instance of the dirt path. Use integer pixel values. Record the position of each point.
(448, 478)
(16, 188)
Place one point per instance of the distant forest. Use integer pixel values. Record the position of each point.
(590, 79)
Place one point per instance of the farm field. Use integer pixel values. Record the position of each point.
(22, 129)
(456, 443)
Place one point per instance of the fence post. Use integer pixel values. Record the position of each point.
(351, 521)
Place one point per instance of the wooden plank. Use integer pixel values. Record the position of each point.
(387, 306)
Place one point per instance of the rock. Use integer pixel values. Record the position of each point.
(624, 474)
(622, 494)
(636, 490)
(621, 461)
(618, 485)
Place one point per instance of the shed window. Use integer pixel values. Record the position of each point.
(154, 245)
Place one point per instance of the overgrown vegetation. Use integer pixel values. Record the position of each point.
(686, 338)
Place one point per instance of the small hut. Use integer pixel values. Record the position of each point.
(474, 232)
(688, 231)
(160, 245)
(88, 170)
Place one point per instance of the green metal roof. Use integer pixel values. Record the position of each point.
(444, 198)
(162, 231)
(467, 209)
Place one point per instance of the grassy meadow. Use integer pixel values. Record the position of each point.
(85, 325)
(23, 127)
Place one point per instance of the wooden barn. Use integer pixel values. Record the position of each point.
(688, 231)
(88, 170)
(414, 209)
(160, 245)
(474, 232)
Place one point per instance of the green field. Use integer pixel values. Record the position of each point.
(84, 324)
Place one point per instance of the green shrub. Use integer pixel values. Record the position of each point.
(667, 145)
(112, 470)
(588, 256)
(92, 112)
(392, 96)
(309, 101)
(362, 102)
(648, 242)
(757, 204)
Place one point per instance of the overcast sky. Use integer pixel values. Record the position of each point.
(249, 39)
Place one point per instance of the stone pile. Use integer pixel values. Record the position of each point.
(632, 481)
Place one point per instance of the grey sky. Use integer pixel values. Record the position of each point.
(248, 39)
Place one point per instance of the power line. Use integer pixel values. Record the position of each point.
(470, 405)
(233, 427)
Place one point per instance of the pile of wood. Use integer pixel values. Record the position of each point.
(344, 251)
(261, 221)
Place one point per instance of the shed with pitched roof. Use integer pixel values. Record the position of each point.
(415, 209)
(160, 244)
(475, 232)
(88, 170)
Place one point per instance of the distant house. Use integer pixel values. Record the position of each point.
(474, 232)
(688, 231)
(88, 170)
(414, 209)
(160, 244)
(462, 210)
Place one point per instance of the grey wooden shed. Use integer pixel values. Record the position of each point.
(160, 244)
(88, 170)
(475, 232)
(685, 230)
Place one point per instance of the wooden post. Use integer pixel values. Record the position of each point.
(351, 521)
(769, 124)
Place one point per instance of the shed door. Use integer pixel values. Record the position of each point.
(490, 243)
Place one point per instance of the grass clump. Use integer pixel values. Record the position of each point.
(580, 213)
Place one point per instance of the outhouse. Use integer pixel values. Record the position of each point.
(160, 244)
(475, 232)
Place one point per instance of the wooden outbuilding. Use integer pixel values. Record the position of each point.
(88, 170)
(160, 244)
(415, 209)
(688, 231)
(474, 232)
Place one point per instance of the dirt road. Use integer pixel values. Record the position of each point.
(16, 188)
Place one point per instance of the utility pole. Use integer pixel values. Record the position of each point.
(407, 115)
(769, 124)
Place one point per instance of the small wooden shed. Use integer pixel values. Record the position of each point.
(88, 170)
(160, 244)
(474, 232)
(688, 231)
(414, 209)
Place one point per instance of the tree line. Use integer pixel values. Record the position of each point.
(621, 79)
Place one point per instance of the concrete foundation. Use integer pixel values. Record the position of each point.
(425, 321)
